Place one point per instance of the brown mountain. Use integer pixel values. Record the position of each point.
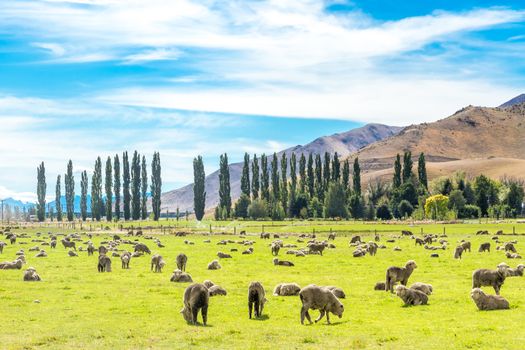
(344, 144)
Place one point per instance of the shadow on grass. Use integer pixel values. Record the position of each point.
(261, 318)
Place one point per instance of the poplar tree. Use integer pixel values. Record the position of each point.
(109, 190)
(326, 171)
(302, 173)
(96, 191)
(126, 182)
(225, 201)
(255, 177)
(346, 174)
(41, 192)
(70, 191)
(284, 181)
(144, 190)
(422, 171)
(319, 180)
(116, 185)
(310, 175)
(336, 168)
(135, 186)
(83, 195)
(293, 177)
(156, 186)
(199, 192)
(58, 199)
(265, 178)
(245, 177)
(397, 172)
(357, 178)
(407, 166)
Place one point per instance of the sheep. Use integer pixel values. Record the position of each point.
(53, 244)
(314, 248)
(372, 248)
(380, 286)
(2, 245)
(376, 237)
(216, 290)
(157, 262)
(72, 253)
(265, 236)
(486, 277)
(435, 255)
(358, 253)
(248, 251)
(214, 265)
(355, 239)
(422, 287)
(30, 275)
(104, 263)
(406, 233)
(286, 289)
(196, 297)
(180, 276)
(338, 292)
(136, 254)
(7, 265)
(510, 247)
(114, 254)
(41, 254)
(518, 271)
(256, 298)
(90, 249)
(488, 302)
(208, 284)
(411, 296)
(141, 247)
(419, 241)
(68, 244)
(399, 274)
(458, 252)
(465, 246)
(510, 255)
(34, 249)
(322, 299)
(282, 262)
(125, 258)
(222, 255)
(182, 259)
(484, 247)
(275, 249)
(102, 250)
(331, 236)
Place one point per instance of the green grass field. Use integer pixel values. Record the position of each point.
(136, 309)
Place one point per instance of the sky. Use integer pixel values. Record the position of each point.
(87, 78)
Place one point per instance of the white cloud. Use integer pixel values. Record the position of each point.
(21, 196)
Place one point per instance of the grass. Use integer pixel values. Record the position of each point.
(136, 308)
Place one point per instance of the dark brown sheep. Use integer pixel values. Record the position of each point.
(104, 263)
(458, 252)
(256, 299)
(196, 297)
(484, 247)
(182, 259)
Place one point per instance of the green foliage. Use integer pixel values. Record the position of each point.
(302, 173)
(284, 182)
(258, 209)
(241, 206)
(199, 191)
(469, 211)
(276, 188)
(265, 179)
(311, 176)
(225, 201)
(346, 174)
(126, 180)
(156, 186)
(255, 177)
(293, 177)
(315, 209)
(319, 181)
(58, 199)
(109, 190)
(356, 206)
(422, 171)
(407, 166)
(481, 190)
(245, 176)
(96, 191)
(456, 201)
(116, 185)
(335, 205)
(83, 195)
(514, 198)
(383, 212)
(396, 182)
(336, 168)
(326, 172)
(41, 192)
(297, 204)
(405, 209)
(70, 191)
(135, 186)
(144, 189)
(277, 211)
(357, 177)
(370, 211)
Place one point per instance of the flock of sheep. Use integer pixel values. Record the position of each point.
(322, 298)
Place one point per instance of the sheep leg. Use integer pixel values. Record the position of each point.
(194, 314)
(204, 314)
(321, 315)
(250, 306)
(257, 308)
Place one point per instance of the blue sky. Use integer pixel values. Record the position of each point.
(83, 78)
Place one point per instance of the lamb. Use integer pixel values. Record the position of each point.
(248, 251)
(486, 277)
(422, 287)
(322, 299)
(411, 296)
(286, 289)
(214, 265)
(256, 297)
(488, 302)
(30, 275)
(282, 262)
(338, 292)
(196, 297)
(222, 255)
(72, 253)
(372, 248)
(157, 262)
(2, 245)
(518, 271)
(182, 259)
(216, 290)
(484, 247)
(399, 274)
(180, 276)
(458, 252)
(331, 236)
(355, 239)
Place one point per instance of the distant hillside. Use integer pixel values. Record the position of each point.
(17, 203)
(514, 101)
(344, 144)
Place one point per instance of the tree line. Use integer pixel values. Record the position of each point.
(109, 194)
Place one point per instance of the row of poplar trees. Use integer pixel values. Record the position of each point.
(127, 190)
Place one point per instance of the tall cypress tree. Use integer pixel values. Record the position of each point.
(326, 171)
(116, 185)
(109, 190)
(407, 166)
(284, 181)
(276, 193)
(346, 174)
(319, 180)
(255, 177)
(336, 168)
(302, 173)
(156, 186)
(245, 177)
(83, 195)
(135, 186)
(310, 176)
(144, 194)
(357, 178)
(125, 186)
(225, 200)
(397, 172)
(293, 176)
(422, 171)
(58, 199)
(199, 191)
(70, 191)
(41, 192)
(96, 191)
(265, 178)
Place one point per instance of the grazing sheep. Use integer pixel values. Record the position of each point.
(406, 233)
(8, 265)
(157, 262)
(358, 253)
(331, 236)
(90, 249)
(458, 252)
(488, 302)
(322, 299)
(419, 241)
(248, 251)
(422, 287)
(486, 277)
(216, 290)
(379, 286)
(214, 265)
(72, 253)
(282, 262)
(30, 275)
(53, 244)
(286, 289)
(125, 258)
(104, 263)
(275, 248)
(208, 284)
(180, 276)
(399, 274)
(465, 246)
(256, 297)
(376, 237)
(41, 254)
(355, 239)
(182, 259)
(411, 296)
(68, 244)
(222, 255)
(196, 297)
(510, 247)
(518, 271)
(314, 248)
(484, 247)
(142, 248)
(300, 253)
(265, 235)
(510, 255)
(338, 292)
(2, 245)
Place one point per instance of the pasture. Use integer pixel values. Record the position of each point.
(136, 308)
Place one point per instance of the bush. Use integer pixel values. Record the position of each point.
(405, 208)
(258, 209)
(241, 206)
(469, 211)
(356, 206)
(436, 207)
(298, 204)
(315, 208)
(278, 211)
(383, 212)
(335, 201)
